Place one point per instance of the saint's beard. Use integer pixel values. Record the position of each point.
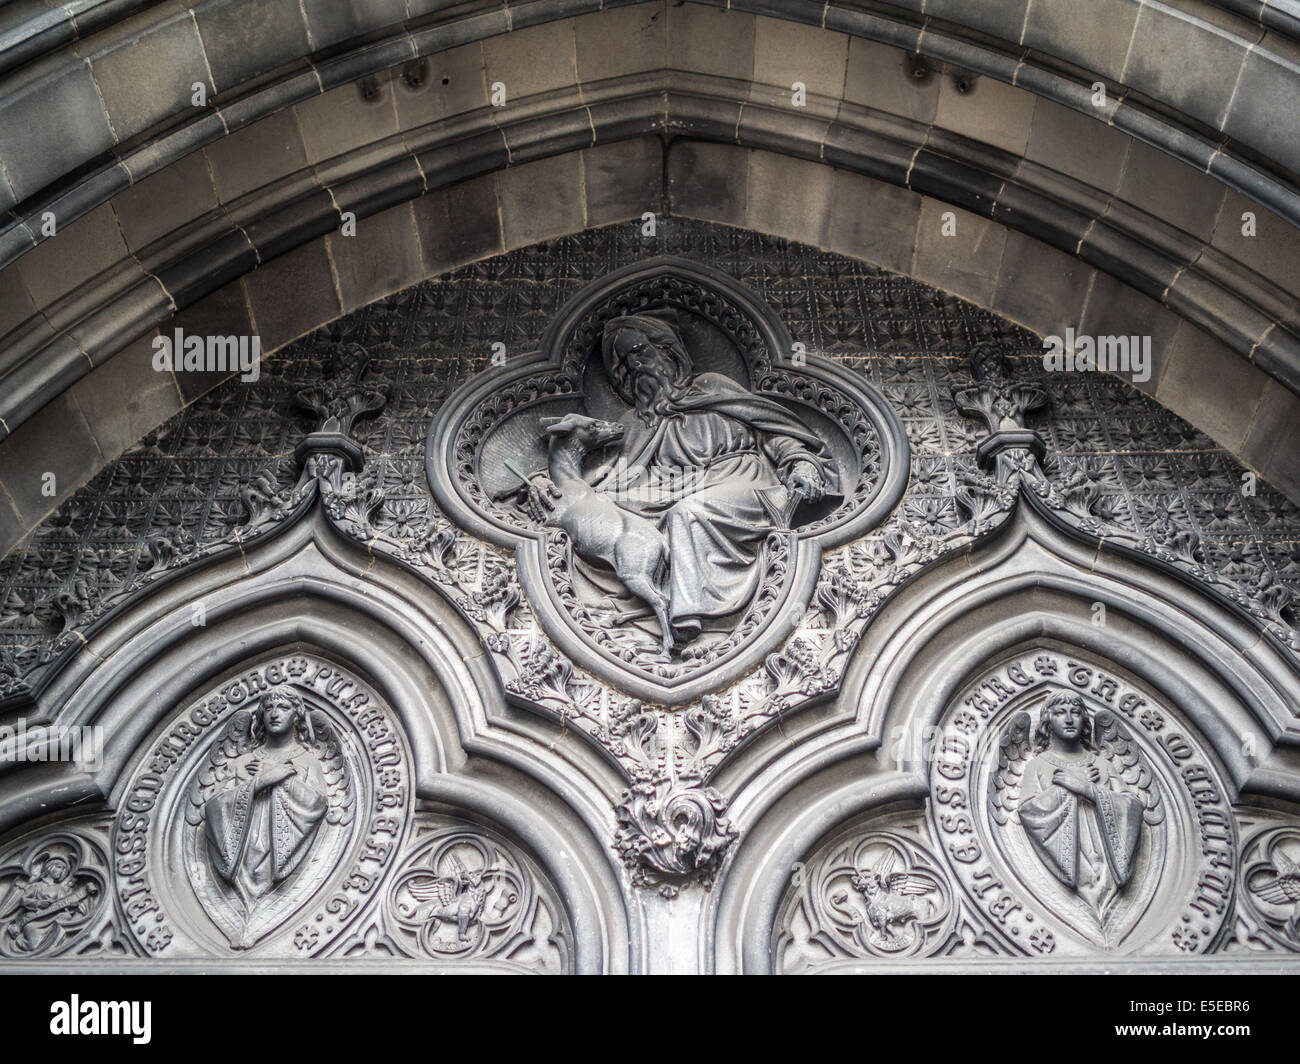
(653, 389)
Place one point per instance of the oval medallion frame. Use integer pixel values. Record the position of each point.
(323, 837)
(1181, 854)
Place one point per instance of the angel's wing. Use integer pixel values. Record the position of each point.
(906, 883)
(1280, 891)
(13, 897)
(431, 888)
(220, 766)
(1127, 764)
(338, 783)
(1014, 750)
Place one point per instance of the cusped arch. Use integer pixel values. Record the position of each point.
(1030, 590)
(306, 592)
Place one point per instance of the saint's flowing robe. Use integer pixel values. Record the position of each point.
(258, 839)
(710, 476)
(1089, 846)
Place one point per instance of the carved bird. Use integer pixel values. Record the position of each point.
(1284, 887)
(458, 897)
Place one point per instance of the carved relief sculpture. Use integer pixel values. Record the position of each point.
(1074, 808)
(265, 815)
(47, 896)
(711, 466)
(668, 476)
(1079, 816)
(876, 892)
(270, 785)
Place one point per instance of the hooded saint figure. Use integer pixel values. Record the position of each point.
(709, 462)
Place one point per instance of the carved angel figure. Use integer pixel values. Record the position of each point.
(274, 777)
(38, 905)
(1081, 798)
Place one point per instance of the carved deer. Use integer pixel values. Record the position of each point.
(600, 530)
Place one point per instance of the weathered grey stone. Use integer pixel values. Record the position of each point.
(458, 224)
(165, 201)
(965, 263)
(126, 397)
(450, 83)
(12, 529)
(1095, 37)
(1001, 18)
(874, 221)
(990, 111)
(709, 40)
(1274, 249)
(1188, 58)
(790, 52)
(1273, 439)
(149, 71)
(789, 197)
(223, 313)
(382, 257)
(621, 41)
(16, 304)
(1211, 386)
(536, 59)
(332, 21)
(1077, 144)
(1115, 309)
(1202, 301)
(1041, 287)
(85, 248)
(623, 180)
(37, 150)
(292, 295)
(56, 440)
(245, 38)
(1171, 190)
(877, 76)
(541, 199)
(343, 119)
(256, 155)
(1263, 111)
(708, 181)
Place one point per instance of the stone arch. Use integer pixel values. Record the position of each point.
(867, 759)
(305, 593)
(1117, 257)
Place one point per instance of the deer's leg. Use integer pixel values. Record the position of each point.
(641, 586)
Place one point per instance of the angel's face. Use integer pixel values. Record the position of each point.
(56, 869)
(1067, 720)
(277, 716)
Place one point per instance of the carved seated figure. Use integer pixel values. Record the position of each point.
(715, 467)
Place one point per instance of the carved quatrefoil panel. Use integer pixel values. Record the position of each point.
(667, 470)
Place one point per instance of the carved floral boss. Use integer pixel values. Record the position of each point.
(668, 470)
